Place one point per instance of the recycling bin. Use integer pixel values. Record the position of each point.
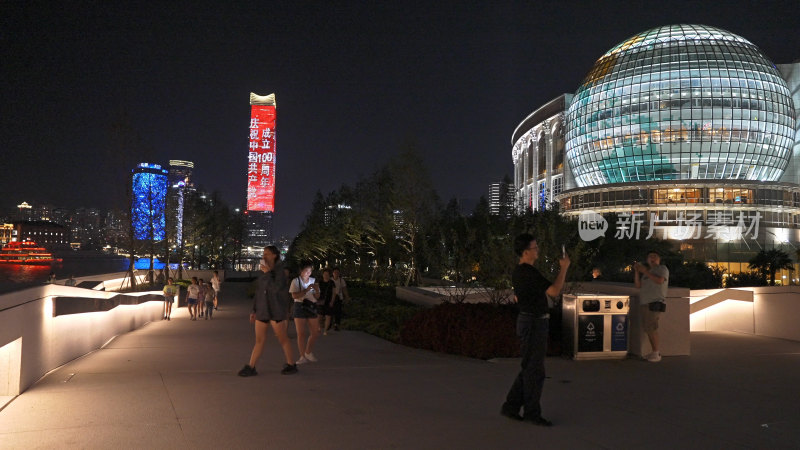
(595, 326)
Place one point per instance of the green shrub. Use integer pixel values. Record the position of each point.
(376, 310)
(475, 330)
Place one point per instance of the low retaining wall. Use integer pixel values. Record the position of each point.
(772, 312)
(432, 296)
(40, 330)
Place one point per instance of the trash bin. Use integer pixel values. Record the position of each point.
(595, 326)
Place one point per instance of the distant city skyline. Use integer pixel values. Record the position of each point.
(100, 87)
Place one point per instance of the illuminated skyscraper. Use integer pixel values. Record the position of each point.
(259, 228)
(180, 171)
(180, 180)
(149, 201)
(501, 198)
(261, 165)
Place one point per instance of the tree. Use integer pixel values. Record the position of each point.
(769, 262)
(414, 202)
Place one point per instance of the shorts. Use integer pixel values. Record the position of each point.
(298, 312)
(268, 321)
(191, 301)
(649, 318)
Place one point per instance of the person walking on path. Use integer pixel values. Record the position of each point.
(192, 296)
(269, 310)
(653, 281)
(201, 304)
(216, 283)
(340, 296)
(326, 293)
(170, 291)
(531, 290)
(305, 294)
(208, 297)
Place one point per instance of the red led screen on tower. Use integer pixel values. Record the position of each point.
(261, 159)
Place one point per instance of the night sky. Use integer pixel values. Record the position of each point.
(89, 89)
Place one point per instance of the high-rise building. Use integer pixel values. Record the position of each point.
(24, 211)
(261, 165)
(149, 201)
(180, 181)
(334, 211)
(262, 154)
(180, 171)
(259, 228)
(501, 198)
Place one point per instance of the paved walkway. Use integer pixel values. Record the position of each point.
(174, 385)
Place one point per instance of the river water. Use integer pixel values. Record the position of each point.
(15, 276)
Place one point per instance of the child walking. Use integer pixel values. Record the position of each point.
(210, 295)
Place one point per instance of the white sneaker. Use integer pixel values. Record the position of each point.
(302, 360)
(310, 357)
(654, 357)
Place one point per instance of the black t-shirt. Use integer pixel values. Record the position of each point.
(529, 287)
(326, 294)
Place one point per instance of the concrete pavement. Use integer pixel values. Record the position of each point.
(174, 385)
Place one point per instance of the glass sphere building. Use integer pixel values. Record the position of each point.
(680, 102)
(689, 129)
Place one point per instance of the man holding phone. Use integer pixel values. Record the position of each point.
(531, 290)
(653, 280)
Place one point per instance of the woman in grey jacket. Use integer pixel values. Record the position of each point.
(269, 309)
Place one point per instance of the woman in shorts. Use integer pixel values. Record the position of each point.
(170, 291)
(216, 283)
(269, 310)
(192, 294)
(305, 293)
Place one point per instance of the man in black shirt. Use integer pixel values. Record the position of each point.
(531, 290)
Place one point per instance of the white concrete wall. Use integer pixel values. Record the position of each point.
(47, 342)
(774, 312)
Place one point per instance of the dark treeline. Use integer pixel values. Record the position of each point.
(392, 228)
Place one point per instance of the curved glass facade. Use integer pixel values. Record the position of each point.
(680, 102)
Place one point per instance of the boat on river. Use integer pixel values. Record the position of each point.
(26, 253)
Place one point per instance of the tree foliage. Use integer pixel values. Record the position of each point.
(768, 262)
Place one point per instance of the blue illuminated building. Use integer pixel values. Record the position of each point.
(149, 201)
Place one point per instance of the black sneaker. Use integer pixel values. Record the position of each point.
(513, 415)
(541, 421)
(289, 369)
(247, 371)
